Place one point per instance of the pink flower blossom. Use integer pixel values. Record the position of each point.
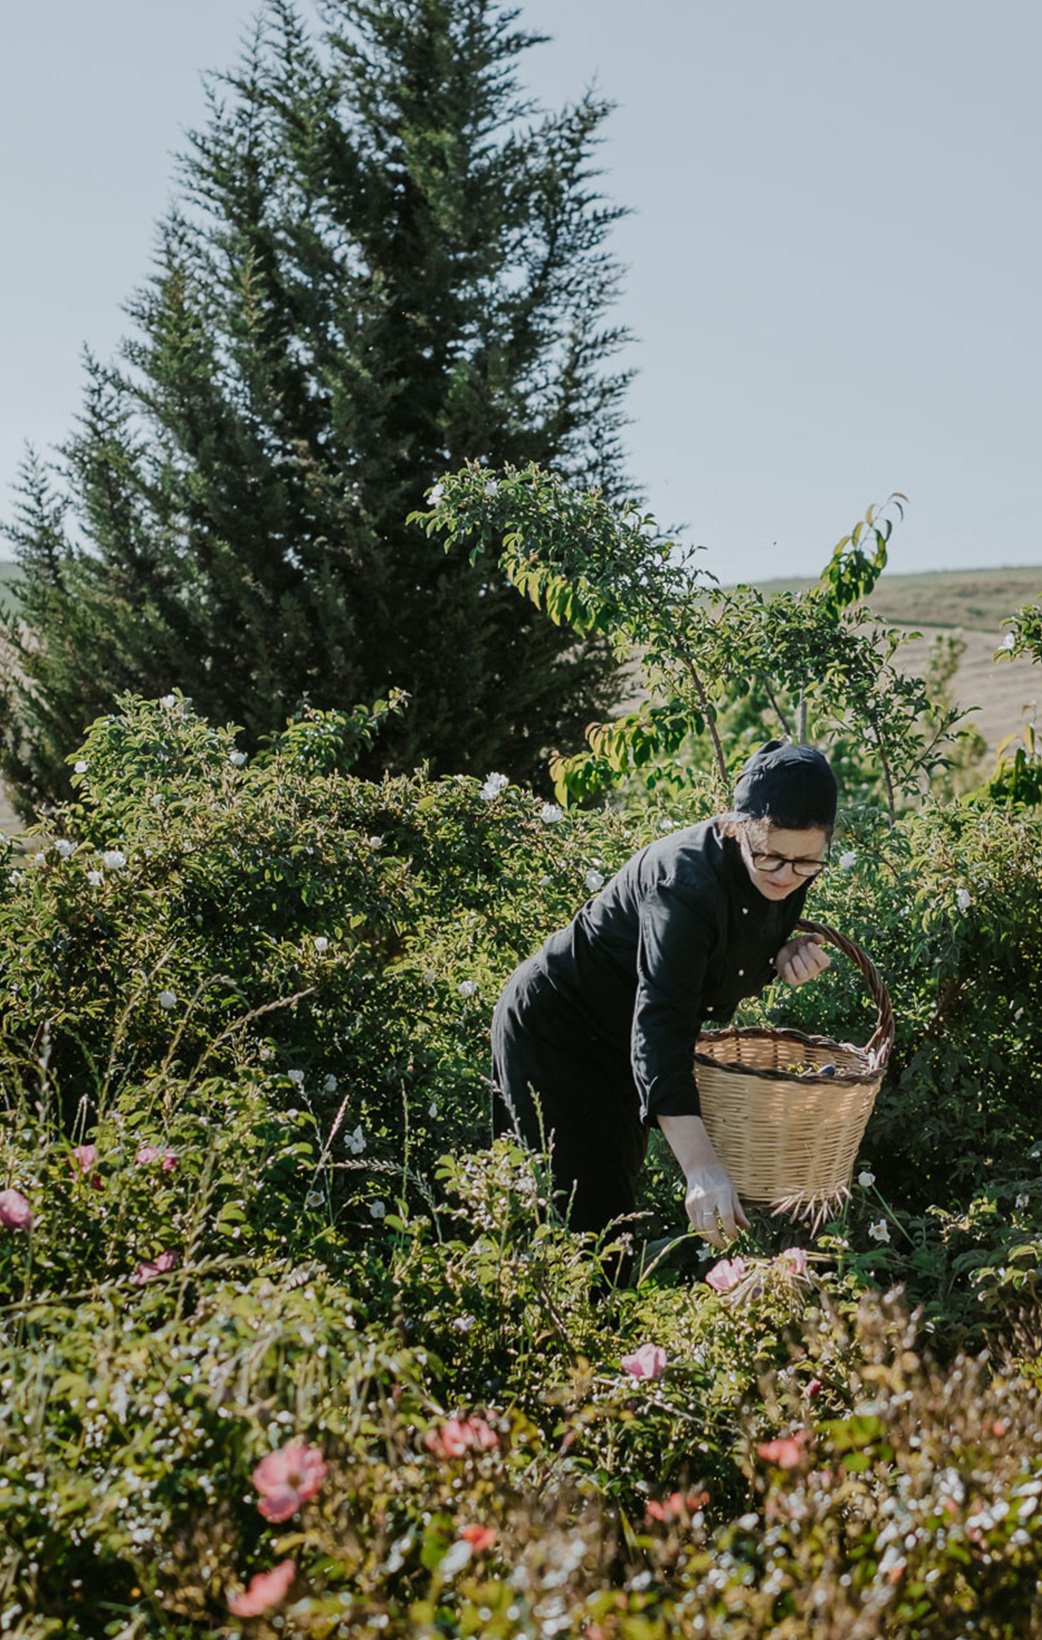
(266, 1590)
(647, 1362)
(726, 1274)
(84, 1159)
(814, 1389)
(287, 1478)
(152, 1153)
(458, 1436)
(163, 1265)
(15, 1212)
(794, 1260)
(480, 1538)
(679, 1506)
(787, 1451)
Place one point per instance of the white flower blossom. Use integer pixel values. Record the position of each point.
(355, 1141)
(81, 767)
(330, 1084)
(550, 813)
(64, 847)
(168, 999)
(491, 487)
(321, 943)
(95, 878)
(1009, 641)
(375, 843)
(463, 1323)
(866, 1179)
(296, 1077)
(666, 825)
(848, 860)
(435, 493)
(237, 759)
(454, 1559)
(1022, 1200)
(168, 702)
(377, 1210)
(594, 880)
(880, 1231)
(314, 1198)
(494, 784)
(432, 1110)
(963, 899)
(113, 859)
(158, 800)
(467, 988)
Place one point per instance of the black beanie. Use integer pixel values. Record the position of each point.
(792, 785)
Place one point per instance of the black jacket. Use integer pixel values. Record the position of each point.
(676, 938)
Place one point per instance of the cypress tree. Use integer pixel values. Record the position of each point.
(384, 262)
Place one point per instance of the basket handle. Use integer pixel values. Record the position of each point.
(882, 1039)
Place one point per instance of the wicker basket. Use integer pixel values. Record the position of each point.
(785, 1136)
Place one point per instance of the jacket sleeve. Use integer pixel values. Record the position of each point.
(677, 938)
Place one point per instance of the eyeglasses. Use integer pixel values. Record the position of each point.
(777, 862)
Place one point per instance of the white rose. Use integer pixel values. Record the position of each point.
(494, 784)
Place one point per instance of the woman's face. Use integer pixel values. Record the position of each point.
(761, 846)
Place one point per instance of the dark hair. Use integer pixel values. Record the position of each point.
(757, 826)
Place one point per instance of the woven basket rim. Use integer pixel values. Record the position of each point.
(730, 1033)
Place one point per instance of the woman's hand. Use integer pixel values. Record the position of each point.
(713, 1206)
(801, 959)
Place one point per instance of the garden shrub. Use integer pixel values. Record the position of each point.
(243, 1027)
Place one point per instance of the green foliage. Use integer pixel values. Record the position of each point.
(810, 663)
(243, 1014)
(196, 912)
(1025, 634)
(382, 260)
(1018, 770)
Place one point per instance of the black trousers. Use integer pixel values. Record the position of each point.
(556, 1082)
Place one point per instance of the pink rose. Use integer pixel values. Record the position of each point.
(647, 1362)
(266, 1590)
(458, 1436)
(726, 1274)
(679, 1506)
(151, 1153)
(480, 1538)
(15, 1212)
(84, 1159)
(787, 1451)
(794, 1260)
(163, 1265)
(287, 1478)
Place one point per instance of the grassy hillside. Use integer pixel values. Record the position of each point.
(977, 599)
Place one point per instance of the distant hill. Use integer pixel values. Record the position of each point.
(976, 599)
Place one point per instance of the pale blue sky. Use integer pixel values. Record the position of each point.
(834, 258)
